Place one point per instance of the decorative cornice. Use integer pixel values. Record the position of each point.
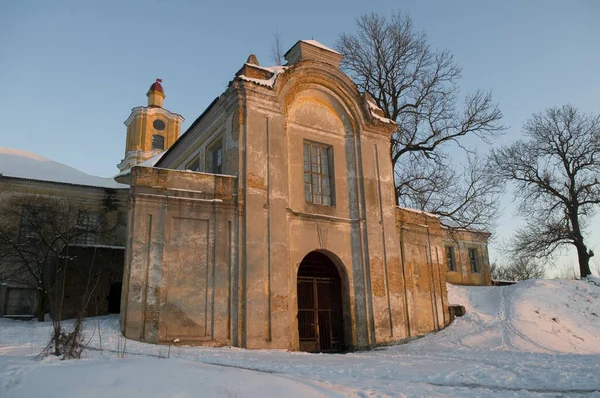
(141, 110)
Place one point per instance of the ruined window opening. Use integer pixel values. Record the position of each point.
(318, 170)
(473, 260)
(158, 142)
(450, 259)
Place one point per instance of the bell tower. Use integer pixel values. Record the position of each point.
(151, 129)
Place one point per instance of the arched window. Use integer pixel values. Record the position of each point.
(158, 142)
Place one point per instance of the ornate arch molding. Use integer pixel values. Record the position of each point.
(342, 93)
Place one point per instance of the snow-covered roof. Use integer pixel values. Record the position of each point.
(373, 108)
(320, 45)
(150, 162)
(418, 211)
(30, 166)
(275, 70)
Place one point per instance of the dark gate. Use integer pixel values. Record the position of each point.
(320, 316)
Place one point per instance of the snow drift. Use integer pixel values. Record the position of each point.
(531, 316)
(533, 339)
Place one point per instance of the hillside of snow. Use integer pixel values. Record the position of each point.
(552, 316)
(532, 339)
(30, 166)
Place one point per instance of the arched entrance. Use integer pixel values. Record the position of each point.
(320, 309)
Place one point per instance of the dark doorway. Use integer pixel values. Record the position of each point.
(320, 314)
(114, 298)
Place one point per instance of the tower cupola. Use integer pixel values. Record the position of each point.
(151, 129)
(156, 94)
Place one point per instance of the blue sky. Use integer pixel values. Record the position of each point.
(72, 70)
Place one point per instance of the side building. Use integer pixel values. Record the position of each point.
(97, 206)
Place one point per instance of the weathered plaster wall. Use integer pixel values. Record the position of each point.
(424, 270)
(462, 241)
(178, 271)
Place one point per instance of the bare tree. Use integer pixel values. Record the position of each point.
(418, 88)
(520, 269)
(34, 232)
(555, 170)
(276, 51)
(464, 198)
(567, 271)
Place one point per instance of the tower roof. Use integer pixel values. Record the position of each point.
(156, 86)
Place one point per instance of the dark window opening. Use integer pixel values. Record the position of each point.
(89, 224)
(217, 160)
(20, 301)
(159, 125)
(158, 142)
(450, 259)
(473, 260)
(114, 298)
(33, 221)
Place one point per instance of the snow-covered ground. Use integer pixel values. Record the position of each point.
(533, 339)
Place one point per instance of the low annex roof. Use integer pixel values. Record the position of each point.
(16, 163)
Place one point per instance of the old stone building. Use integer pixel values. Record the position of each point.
(271, 223)
(98, 204)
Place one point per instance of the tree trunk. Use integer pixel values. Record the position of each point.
(57, 330)
(584, 259)
(41, 303)
(583, 255)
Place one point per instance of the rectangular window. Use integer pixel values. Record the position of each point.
(217, 160)
(317, 173)
(450, 260)
(33, 220)
(474, 261)
(20, 301)
(158, 142)
(89, 223)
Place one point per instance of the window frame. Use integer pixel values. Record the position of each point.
(158, 121)
(474, 260)
(210, 151)
(89, 238)
(450, 258)
(8, 308)
(27, 231)
(329, 177)
(153, 142)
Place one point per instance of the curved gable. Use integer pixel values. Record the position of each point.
(337, 91)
